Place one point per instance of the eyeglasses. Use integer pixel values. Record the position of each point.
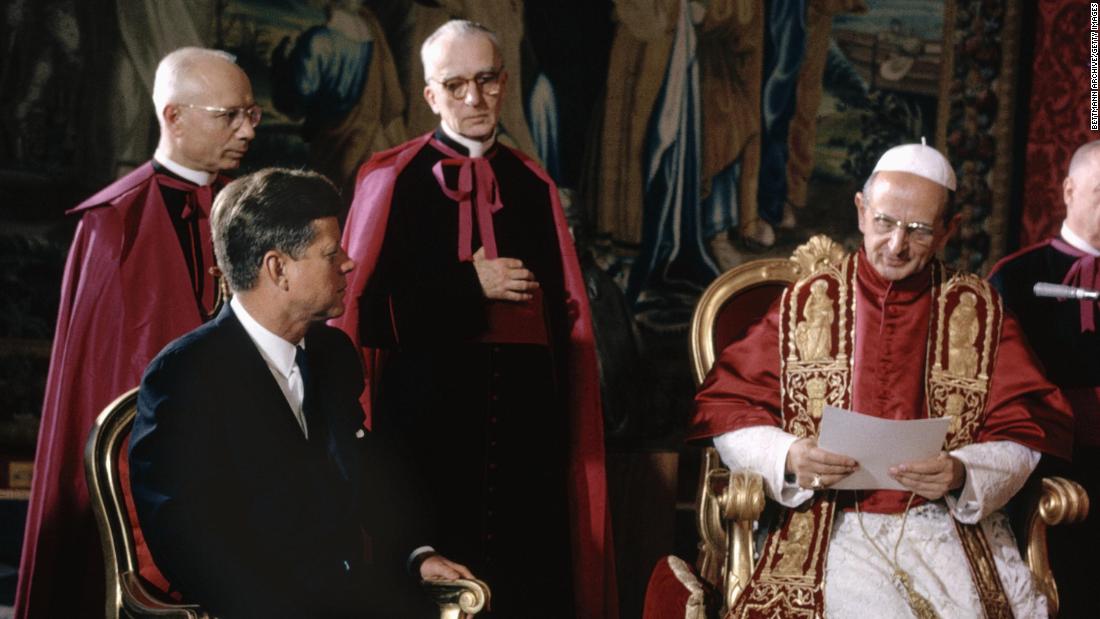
(918, 232)
(234, 117)
(487, 82)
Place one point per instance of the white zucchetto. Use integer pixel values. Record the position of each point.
(920, 159)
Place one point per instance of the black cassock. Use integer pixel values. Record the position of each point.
(486, 420)
(1072, 361)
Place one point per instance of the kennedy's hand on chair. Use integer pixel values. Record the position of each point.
(438, 567)
(815, 468)
(931, 478)
(504, 279)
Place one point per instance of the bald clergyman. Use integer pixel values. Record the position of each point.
(137, 277)
(1066, 340)
(905, 339)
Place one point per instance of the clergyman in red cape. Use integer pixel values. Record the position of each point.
(137, 277)
(471, 312)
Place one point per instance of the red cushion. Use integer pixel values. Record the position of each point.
(676, 592)
(735, 318)
(147, 569)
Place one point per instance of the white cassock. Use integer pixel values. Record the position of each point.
(859, 582)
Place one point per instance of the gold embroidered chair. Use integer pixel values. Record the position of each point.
(130, 575)
(729, 502)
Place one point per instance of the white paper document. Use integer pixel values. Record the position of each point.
(878, 444)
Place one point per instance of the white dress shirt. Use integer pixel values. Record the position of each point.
(279, 355)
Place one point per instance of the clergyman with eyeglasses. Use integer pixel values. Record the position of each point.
(137, 276)
(473, 320)
(903, 338)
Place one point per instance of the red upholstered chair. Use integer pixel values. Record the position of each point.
(729, 502)
(732, 303)
(726, 505)
(135, 587)
(685, 596)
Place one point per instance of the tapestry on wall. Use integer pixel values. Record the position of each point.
(735, 130)
(981, 84)
(1058, 117)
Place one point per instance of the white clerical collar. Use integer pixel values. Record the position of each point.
(1071, 237)
(278, 352)
(199, 177)
(477, 149)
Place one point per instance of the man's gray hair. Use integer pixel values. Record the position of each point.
(456, 27)
(1081, 156)
(273, 209)
(174, 73)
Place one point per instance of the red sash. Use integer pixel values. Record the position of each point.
(516, 323)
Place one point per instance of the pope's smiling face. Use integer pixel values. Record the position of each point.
(898, 250)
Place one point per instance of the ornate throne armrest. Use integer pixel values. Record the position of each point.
(1057, 501)
(729, 504)
(457, 599)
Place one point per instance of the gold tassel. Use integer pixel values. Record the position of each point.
(919, 604)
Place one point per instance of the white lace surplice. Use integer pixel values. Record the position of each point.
(858, 579)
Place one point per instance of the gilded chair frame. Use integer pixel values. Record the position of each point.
(127, 594)
(729, 502)
(714, 298)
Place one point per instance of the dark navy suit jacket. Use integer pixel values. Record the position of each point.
(243, 514)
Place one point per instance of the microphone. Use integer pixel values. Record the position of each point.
(1058, 291)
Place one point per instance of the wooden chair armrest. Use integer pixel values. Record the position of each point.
(139, 600)
(1058, 501)
(730, 502)
(457, 599)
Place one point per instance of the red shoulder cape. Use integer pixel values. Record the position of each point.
(594, 576)
(125, 294)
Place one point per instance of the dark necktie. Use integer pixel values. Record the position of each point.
(301, 359)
